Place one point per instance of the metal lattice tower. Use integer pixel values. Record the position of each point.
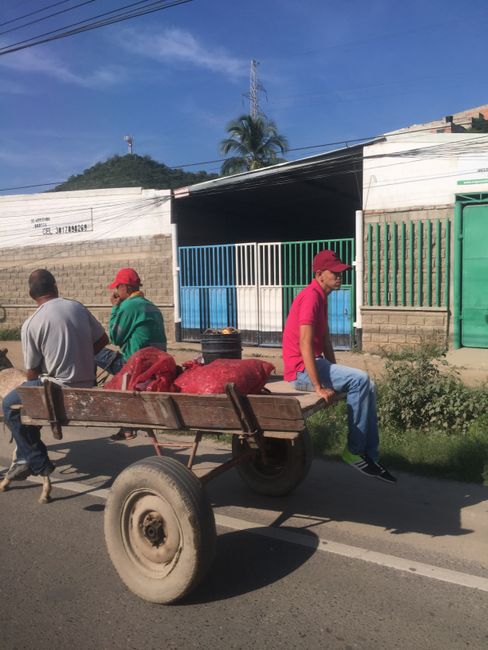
(253, 90)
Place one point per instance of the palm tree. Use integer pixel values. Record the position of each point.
(256, 142)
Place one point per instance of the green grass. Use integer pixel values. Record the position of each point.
(441, 454)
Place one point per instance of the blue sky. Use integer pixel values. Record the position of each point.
(332, 72)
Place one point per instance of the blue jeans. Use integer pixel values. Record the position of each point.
(109, 360)
(363, 438)
(27, 437)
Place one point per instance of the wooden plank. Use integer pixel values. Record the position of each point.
(284, 411)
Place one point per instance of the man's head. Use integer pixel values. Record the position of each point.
(327, 268)
(42, 284)
(126, 281)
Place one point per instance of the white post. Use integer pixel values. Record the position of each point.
(359, 268)
(176, 284)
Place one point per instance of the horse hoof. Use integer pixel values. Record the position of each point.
(45, 499)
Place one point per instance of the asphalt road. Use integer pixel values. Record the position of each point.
(344, 562)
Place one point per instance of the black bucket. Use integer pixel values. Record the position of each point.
(221, 346)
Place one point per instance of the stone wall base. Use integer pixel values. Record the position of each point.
(393, 328)
(83, 270)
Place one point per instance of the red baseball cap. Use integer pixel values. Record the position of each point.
(327, 260)
(126, 276)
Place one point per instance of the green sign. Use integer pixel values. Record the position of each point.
(473, 181)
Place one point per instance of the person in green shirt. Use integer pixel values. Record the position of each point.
(135, 323)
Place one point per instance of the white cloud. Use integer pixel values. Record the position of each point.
(178, 46)
(41, 62)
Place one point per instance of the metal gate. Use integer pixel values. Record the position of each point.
(251, 286)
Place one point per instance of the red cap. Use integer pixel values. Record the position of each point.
(327, 260)
(126, 276)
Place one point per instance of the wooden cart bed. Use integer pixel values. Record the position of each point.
(282, 413)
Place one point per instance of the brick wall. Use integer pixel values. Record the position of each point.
(83, 270)
(392, 328)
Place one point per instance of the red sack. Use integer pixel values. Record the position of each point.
(248, 375)
(148, 369)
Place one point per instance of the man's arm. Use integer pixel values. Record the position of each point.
(33, 373)
(328, 349)
(101, 343)
(306, 350)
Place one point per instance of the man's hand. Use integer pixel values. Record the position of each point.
(327, 394)
(115, 298)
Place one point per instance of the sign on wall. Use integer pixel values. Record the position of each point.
(65, 217)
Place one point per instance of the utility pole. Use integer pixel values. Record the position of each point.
(130, 141)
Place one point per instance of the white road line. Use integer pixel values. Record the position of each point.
(357, 553)
(336, 548)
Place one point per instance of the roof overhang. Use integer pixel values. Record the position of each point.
(312, 167)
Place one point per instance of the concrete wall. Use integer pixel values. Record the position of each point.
(84, 264)
(414, 170)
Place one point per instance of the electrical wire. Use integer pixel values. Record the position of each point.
(32, 13)
(455, 148)
(54, 35)
(56, 13)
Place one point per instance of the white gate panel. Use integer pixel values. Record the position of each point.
(270, 287)
(247, 309)
(270, 309)
(246, 287)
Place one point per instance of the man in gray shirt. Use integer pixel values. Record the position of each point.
(59, 342)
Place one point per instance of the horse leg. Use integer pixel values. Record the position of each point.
(46, 490)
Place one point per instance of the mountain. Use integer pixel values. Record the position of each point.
(132, 170)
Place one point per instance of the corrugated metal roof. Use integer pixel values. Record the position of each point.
(260, 176)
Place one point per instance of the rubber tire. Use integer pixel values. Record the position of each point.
(159, 485)
(293, 459)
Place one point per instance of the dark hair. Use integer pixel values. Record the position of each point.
(41, 283)
(132, 288)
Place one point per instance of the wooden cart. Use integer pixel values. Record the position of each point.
(159, 525)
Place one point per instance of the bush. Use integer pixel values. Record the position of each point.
(416, 394)
(10, 334)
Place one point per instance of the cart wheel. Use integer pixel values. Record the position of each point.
(159, 529)
(287, 464)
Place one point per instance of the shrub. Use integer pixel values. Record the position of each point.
(10, 334)
(416, 394)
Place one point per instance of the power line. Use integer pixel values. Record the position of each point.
(38, 20)
(419, 152)
(32, 13)
(81, 26)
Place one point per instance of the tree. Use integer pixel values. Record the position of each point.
(132, 170)
(256, 142)
(478, 125)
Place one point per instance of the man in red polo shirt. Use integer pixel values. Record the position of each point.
(310, 364)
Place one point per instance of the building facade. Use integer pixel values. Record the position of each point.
(83, 238)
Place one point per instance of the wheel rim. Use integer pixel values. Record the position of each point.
(151, 533)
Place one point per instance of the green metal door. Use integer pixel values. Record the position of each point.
(474, 276)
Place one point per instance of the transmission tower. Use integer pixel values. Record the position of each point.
(254, 89)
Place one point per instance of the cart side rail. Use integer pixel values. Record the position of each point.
(177, 411)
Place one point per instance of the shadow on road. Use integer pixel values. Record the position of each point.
(331, 493)
(246, 562)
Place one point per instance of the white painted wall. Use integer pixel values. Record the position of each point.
(413, 170)
(86, 215)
